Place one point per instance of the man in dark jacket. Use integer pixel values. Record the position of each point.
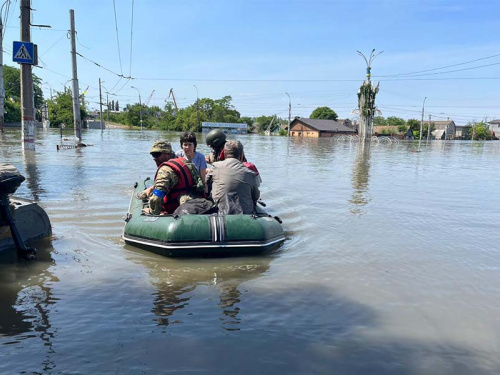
(234, 186)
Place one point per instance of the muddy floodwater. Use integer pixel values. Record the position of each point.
(391, 265)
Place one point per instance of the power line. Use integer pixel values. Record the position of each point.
(443, 67)
(131, 39)
(456, 70)
(310, 80)
(117, 39)
(100, 66)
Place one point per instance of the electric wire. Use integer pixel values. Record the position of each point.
(117, 38)
(100, 66)
(131, 40)
(443, 67)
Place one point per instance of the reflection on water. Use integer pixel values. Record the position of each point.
(26, 301)
(32, 174)
(360, 178)
(177, 280)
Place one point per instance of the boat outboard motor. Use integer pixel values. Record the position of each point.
(10, 180)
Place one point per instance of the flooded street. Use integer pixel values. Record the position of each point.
(391, 265)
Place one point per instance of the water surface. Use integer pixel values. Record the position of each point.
(391, 265)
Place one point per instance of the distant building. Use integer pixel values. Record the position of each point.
(443, 129)
(228, 127)
(494, 126)
(462, 131)
(315, 128)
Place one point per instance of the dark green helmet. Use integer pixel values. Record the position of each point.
(216, 138)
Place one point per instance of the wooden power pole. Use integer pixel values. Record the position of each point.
(76, 102)
(27, 97)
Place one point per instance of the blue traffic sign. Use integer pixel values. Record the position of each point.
(23, 53)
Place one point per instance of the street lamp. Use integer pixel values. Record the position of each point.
(289, 112)
(197, 107)
(140, 104)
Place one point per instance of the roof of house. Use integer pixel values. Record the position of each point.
(494, 122)
(384, 127)
(440, 122)
(323, 125)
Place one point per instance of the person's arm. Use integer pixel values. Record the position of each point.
(203, 172)
(255, 193)
(165, 180)
(203, 175)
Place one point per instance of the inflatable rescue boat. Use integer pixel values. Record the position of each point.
(194, 235)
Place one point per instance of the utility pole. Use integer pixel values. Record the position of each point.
(107, 101)
(2, 90)
(197, 107)
(421, 125)
(100, 104)
(76, 102)
(289, 112)
(140, 104)
(429, 129)
(27, 98)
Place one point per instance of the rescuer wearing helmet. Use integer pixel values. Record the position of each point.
(176, 181)
(216, 139)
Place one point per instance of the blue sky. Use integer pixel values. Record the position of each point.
(256, 50)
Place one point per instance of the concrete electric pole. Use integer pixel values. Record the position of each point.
(421, 125)
(100, 104)
(27, 97)
(76, 101)
(289, 112)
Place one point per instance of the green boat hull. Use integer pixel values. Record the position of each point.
(201, 235)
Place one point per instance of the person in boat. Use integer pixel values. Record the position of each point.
(216, 139)
(176, 181)
(188, 152)
(234, 187)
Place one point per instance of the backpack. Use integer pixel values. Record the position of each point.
(196, 206)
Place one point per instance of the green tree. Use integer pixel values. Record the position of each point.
(413, 124)
(12, 85)
(262, 123)
(250, 123)
(395, 121)
(61, 109)
(324, 113)
(402, 128)
(480, 131)
(379, 121)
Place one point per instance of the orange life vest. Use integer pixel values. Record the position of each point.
(184, 186)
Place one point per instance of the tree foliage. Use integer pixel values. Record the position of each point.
(61, 109)
(480, 131)
(12, 85)
(395, 121)
(413, 124)
(379, 121)
(324, 113)
(185, 119)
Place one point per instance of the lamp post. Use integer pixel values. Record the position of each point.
(140, 104)
(289, 112)
(197, 107)
(421, 125)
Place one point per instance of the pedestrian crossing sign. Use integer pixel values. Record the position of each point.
(24, 53)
